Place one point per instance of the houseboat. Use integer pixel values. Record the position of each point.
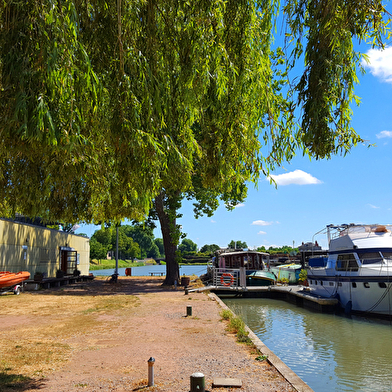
(357, 270)
(254, 265)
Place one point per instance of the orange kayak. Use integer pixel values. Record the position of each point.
(8, 279)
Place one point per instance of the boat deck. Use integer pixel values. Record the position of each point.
(293, 293)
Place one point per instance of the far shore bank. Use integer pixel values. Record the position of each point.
(111, 264)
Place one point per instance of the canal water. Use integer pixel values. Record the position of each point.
(329, 352)
(146, 270)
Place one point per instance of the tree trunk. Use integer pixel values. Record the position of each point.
(167, 220)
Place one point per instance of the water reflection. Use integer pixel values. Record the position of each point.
(329, 352)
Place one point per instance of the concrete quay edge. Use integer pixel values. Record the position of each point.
(291, 377)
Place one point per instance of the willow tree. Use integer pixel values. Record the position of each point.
(110, 107)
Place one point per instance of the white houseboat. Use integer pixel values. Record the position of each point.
(358, 268)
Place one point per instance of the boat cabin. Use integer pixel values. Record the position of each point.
(250, 259)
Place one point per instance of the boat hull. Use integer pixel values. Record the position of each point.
(364, 294)
(9, 279)
(260, 278)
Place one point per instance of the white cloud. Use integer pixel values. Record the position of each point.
(261, 223)
(212, 221)
(373, 206)
(297, 177)
(261, 232)
(239, 205)
(383, 134)
(380, 63)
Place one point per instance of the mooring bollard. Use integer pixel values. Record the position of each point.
(198, 382)
(189, 310)
(151, 362)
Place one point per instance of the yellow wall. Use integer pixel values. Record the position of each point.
(25, 247)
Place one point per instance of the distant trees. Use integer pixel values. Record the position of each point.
(237, 245)
(187, 246)
(209, 248)
(133, 242)
(284, 249)
(159, 243)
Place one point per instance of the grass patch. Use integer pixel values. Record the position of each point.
(237, 326)
(31, 359)
(112, 303)
(226, 314)
(111, 264)
(33, 349)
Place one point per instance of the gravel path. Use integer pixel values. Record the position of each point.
(113, 356)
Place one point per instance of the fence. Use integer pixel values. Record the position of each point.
(229, 278)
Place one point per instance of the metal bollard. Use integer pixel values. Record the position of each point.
(198, 382)
(151, 362)
(189, 310)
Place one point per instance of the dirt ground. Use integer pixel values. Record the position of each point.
(98, 336)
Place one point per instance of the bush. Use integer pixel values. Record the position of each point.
(303, 275)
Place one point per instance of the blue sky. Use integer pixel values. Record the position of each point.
(356, 188)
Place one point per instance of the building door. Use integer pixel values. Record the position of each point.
(68, 261)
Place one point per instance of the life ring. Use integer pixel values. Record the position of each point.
(128, 271)
(229, 276)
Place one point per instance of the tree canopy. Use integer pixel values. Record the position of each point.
(108, 107)
(237, 244)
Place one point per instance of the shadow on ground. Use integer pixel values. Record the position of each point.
(16, 382)
(125, 285)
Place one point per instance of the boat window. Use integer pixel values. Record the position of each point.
(370, 257)
(353, 284)
(340, 284)
(331, 283)
(387, 255)
(346, 262)
(321, 282)
(382, 285)
(366, 284)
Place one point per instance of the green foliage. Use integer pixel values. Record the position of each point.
(159, 243)
(326, 88)
(209, 249)
(187, 246)
(283, 249)
(237, 326)
(237, 245)
(100, 264)
(110, 107)
(97, 249)
(226, 314)
(284, 281)
(303, 275)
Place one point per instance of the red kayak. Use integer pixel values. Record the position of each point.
(9, 279)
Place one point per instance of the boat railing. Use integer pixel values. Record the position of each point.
(224, 277)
